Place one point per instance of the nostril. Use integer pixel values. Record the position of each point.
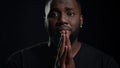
(61, 23)
(65, 23)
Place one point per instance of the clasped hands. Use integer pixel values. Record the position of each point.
(65, 58)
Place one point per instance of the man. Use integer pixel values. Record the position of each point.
(63, 19)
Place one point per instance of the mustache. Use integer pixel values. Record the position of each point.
(64, 27)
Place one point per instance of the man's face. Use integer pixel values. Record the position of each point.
(64, 15)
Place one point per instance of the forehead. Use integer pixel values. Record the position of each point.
(64, 4)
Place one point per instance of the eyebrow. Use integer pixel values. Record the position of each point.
(68, 9)
(55, 9)
(71, 9)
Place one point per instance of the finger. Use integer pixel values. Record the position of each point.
(69, 59)
(62, 44)
(68, 43)
(63, 58)
(69, 56)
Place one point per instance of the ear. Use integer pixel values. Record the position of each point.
(81, 20)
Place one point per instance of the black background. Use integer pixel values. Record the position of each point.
(22, 25)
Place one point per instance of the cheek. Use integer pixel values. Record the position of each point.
(52, 22)
(75, 23)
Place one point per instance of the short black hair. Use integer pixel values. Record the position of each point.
(78, 2)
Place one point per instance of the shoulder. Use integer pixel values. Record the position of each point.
(98, 56)
(28, 50)
(89, 49)
(27, 55)
(93, 51)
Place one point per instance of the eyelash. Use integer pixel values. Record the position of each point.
(70, 13)
(56, 14)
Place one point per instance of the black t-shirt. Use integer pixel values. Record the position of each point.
(42, 56)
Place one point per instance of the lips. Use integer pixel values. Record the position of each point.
(64, 27)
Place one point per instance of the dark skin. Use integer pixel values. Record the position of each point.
(64, 19)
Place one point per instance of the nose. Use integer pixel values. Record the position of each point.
(63, 19)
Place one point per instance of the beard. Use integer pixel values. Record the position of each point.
(74, 35)
(55, 36)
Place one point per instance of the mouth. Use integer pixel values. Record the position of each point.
(64, 27)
